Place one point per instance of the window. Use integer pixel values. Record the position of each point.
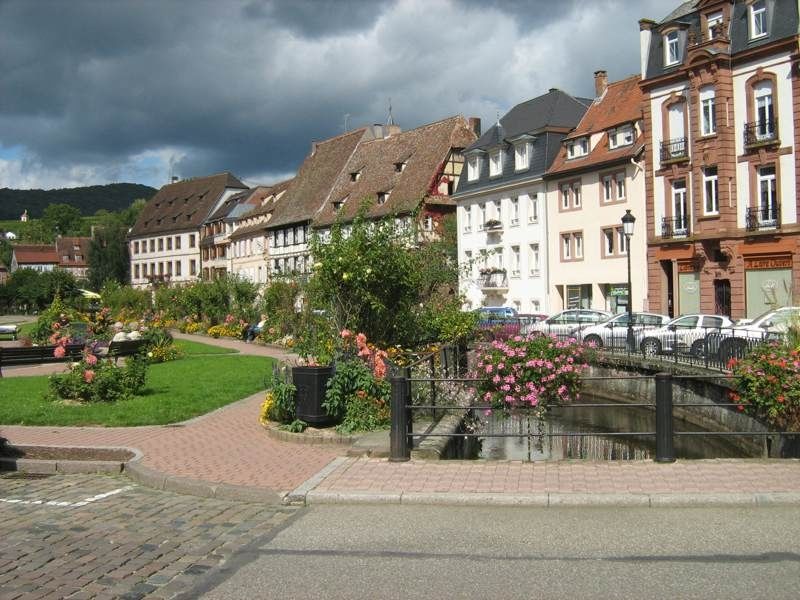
(708, 111)
(577, 148)
(608, 242)
(495, 163)
(383, 197)
(169, 243)
(136, 271)
(192, 267)
(533, 259)
(428, 223)
(758, 19)
(577, 239)
(608, 190)
(679, 208)
(337, 206)
(177, 242)
(467, 213)
(522, 156)
(169, 267)
(290, 236)
(473, 168)
(515, 261)
(533, 214)
(565, 196)
(355, 175)
(566, 247)
(161, 268)
(622, 241)
(614, 241)
(178, 268)
(710, 191)
(576, 194)
(514, 211)
(399, 167)
(620, 178)
(481, 216)
(191, 242)
(765, 117)
(152, 245)
(621, 136)
(672, 51)
(468, 262)
(160, 244)
(768, 197)
(572, 246)
(712, 21)
(144, 270)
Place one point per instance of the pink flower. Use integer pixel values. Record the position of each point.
(59, 352)
(88, 376)
(361, 340)
(345, 333)
(91, 359)
(489, 368)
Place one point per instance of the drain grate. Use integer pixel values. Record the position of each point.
(23, 475)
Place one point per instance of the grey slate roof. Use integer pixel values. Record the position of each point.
(537, 116)
(782, 22)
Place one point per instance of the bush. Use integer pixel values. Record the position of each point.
(279, 404)
(355, 383)
(99, 380)
(768, 384)
(124, 299)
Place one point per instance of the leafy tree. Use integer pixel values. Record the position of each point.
(108, 252)
(62, 219)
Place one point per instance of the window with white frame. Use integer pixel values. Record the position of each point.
(522, 158)
(495, 162)
(566, 246)
(481, 216)
(768, 196)
(608, 190)
(468, 262)
(622, 241)
(473, 167)
(467, 215)
(620, 179)
(608, 241)
(765, 112)
(621, 136)
(712, 21)
(576, 194)
(565, 196)
(577, 148)
(710, 191)
(533, 259)
(577, 241)
(428, 223)
(672, 50)
(758, 19)
(533, 209)
(515, 261)
(514, 211)
(708, 111)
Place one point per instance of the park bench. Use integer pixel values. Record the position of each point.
(36, 355)
(9, 330)
(125, 348)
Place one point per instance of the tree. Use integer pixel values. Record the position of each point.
(62, 219)
(108, 252)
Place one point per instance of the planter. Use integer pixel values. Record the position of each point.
(311, 384)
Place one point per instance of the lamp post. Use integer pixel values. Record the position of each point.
(627, 228)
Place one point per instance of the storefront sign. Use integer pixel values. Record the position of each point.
(686, 267)
(768, 262)
(619, 291)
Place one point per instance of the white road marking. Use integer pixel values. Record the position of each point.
(83, 502)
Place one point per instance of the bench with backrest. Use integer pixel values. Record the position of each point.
(36, 355)
(125, 348)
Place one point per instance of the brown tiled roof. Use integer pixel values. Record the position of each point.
(311, 186)
(621, 103)
(183, 205)
(35, 254)
(65, 247)
(424, 150)
(270, 198)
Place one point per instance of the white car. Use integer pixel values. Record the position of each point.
(569, 322)
(734, 341)
(613, 333)
(685, 334)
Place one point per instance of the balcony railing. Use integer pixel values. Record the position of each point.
(674, 150)
(493, 226)
(760, 133)
(494, 281)
(675, 227)
(763, 217)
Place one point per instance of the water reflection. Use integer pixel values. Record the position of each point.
(527, 443)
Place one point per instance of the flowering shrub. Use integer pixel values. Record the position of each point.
(279, 403)
(163, 352)
(99, 380)
(768, 384)
(530, 371)
(234, 330)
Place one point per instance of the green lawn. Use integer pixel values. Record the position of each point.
(175, 391)
(192, 348)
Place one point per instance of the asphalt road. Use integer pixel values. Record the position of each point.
(378, 551)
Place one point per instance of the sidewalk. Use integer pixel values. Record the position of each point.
(228, 454)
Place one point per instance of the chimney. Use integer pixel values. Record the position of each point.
(378, 131)
(313, 147)
(475, 125)
(600, 83)
(393, 129)
(174, 178)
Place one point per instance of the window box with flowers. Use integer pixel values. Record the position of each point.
(493, 225)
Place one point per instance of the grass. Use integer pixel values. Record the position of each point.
(175, 391)
(192, 348)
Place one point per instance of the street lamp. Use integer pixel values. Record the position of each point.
(627, 228)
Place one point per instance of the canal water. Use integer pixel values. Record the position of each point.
(528, 444)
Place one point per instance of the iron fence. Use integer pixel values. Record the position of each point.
(404, 405)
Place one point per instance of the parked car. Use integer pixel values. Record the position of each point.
(734, 342)
(498, 322)
(497, 312)
(685, 334)
(568, 322)
(613, 332)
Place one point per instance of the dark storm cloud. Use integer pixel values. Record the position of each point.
(88, 88)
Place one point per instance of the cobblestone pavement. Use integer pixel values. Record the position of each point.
(86, 536)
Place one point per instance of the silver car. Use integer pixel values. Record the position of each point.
(613, 333)
(568, 323)
(685, 334)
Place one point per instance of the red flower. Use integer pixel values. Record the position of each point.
(88, 375)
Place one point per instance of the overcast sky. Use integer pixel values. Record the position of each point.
(98, 91)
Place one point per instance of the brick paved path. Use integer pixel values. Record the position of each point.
(134, 543)
(226, 446)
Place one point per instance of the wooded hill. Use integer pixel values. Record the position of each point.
(112, 197)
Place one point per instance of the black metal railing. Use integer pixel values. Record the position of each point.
(761, 132)
(763, 217)
(403, 406)
(674, 149)
(675, 227)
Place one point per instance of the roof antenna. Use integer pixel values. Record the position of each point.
(346, 122)
(390, 120)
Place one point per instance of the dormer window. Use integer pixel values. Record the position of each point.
(338, 204)
(577, 148)
(672, 50)
(712, 21)
(522, 156)
(473, 167)
(399, 167)
(355, 175)
(383, 197)
(621, 136)
(495, 163)
(758, 19)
